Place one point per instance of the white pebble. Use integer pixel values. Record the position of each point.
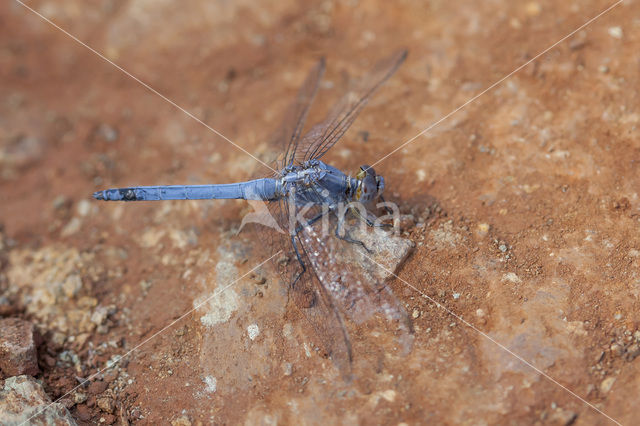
(83, 207)
(615, 32)
(253, 331)
(212, 384)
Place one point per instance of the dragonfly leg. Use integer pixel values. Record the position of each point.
(309, 222)
(368, 221)
(345, 237)
(304, 268)
(387, 209)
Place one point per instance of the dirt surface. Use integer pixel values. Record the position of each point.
(525, 208)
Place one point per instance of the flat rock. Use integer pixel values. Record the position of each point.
(388, 251)
(18, 347)
(23, 401)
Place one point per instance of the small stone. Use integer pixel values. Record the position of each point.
(606, 384)
(100, 314)
(108, 419)
(633, 351)
(49, 360)
(83, 208)
(96, 388)
(616, 349)
(211, 384)
(562, 417)
(511, 277)
(533, 9)
(145, 285)
(415, 314)
(615, 32)
(389, 395)
(502, 248)
(483, 229)
(456, 296)
(106, 404)
(288, 369)
(18, 347)
(107, 133)
(79, 397)
(24, 401)
(253, 330)
(181, 421)
(111, 375)
(71, 228)
(83, 412)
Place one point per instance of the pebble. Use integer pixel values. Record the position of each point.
(511, 277)
(71, 228)
(106, 404)
(562, 417)
(83, 412)
(79, 397)
(18, 347)
(633, 351)
(83, 208)
(108, 419)
(181, 421)
(253, 330)
(616, 349)
(606, 384)
(533, 9)
(100, 314)
(615, 32)
(24, 401)
(107, 133)
(96, 388)
(483, 229)
(288, 369)
(212, 384)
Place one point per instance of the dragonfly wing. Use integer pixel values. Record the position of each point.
(306, 293)
(324, 135)
(290, 130)
(313, 301)
(352, 281)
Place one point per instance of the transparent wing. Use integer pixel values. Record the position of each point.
(307, 294)
(288, 134)
(323, 136)
(350, 278)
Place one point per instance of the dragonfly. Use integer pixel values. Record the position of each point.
(326, 284)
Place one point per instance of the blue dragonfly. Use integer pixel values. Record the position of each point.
(305, 192)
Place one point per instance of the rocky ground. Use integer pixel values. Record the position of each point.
(523, 285)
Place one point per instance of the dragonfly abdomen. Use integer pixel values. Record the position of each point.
(259, 189)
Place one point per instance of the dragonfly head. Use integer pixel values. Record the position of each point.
(370, 185)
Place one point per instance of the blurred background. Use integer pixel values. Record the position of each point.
(522, 205)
